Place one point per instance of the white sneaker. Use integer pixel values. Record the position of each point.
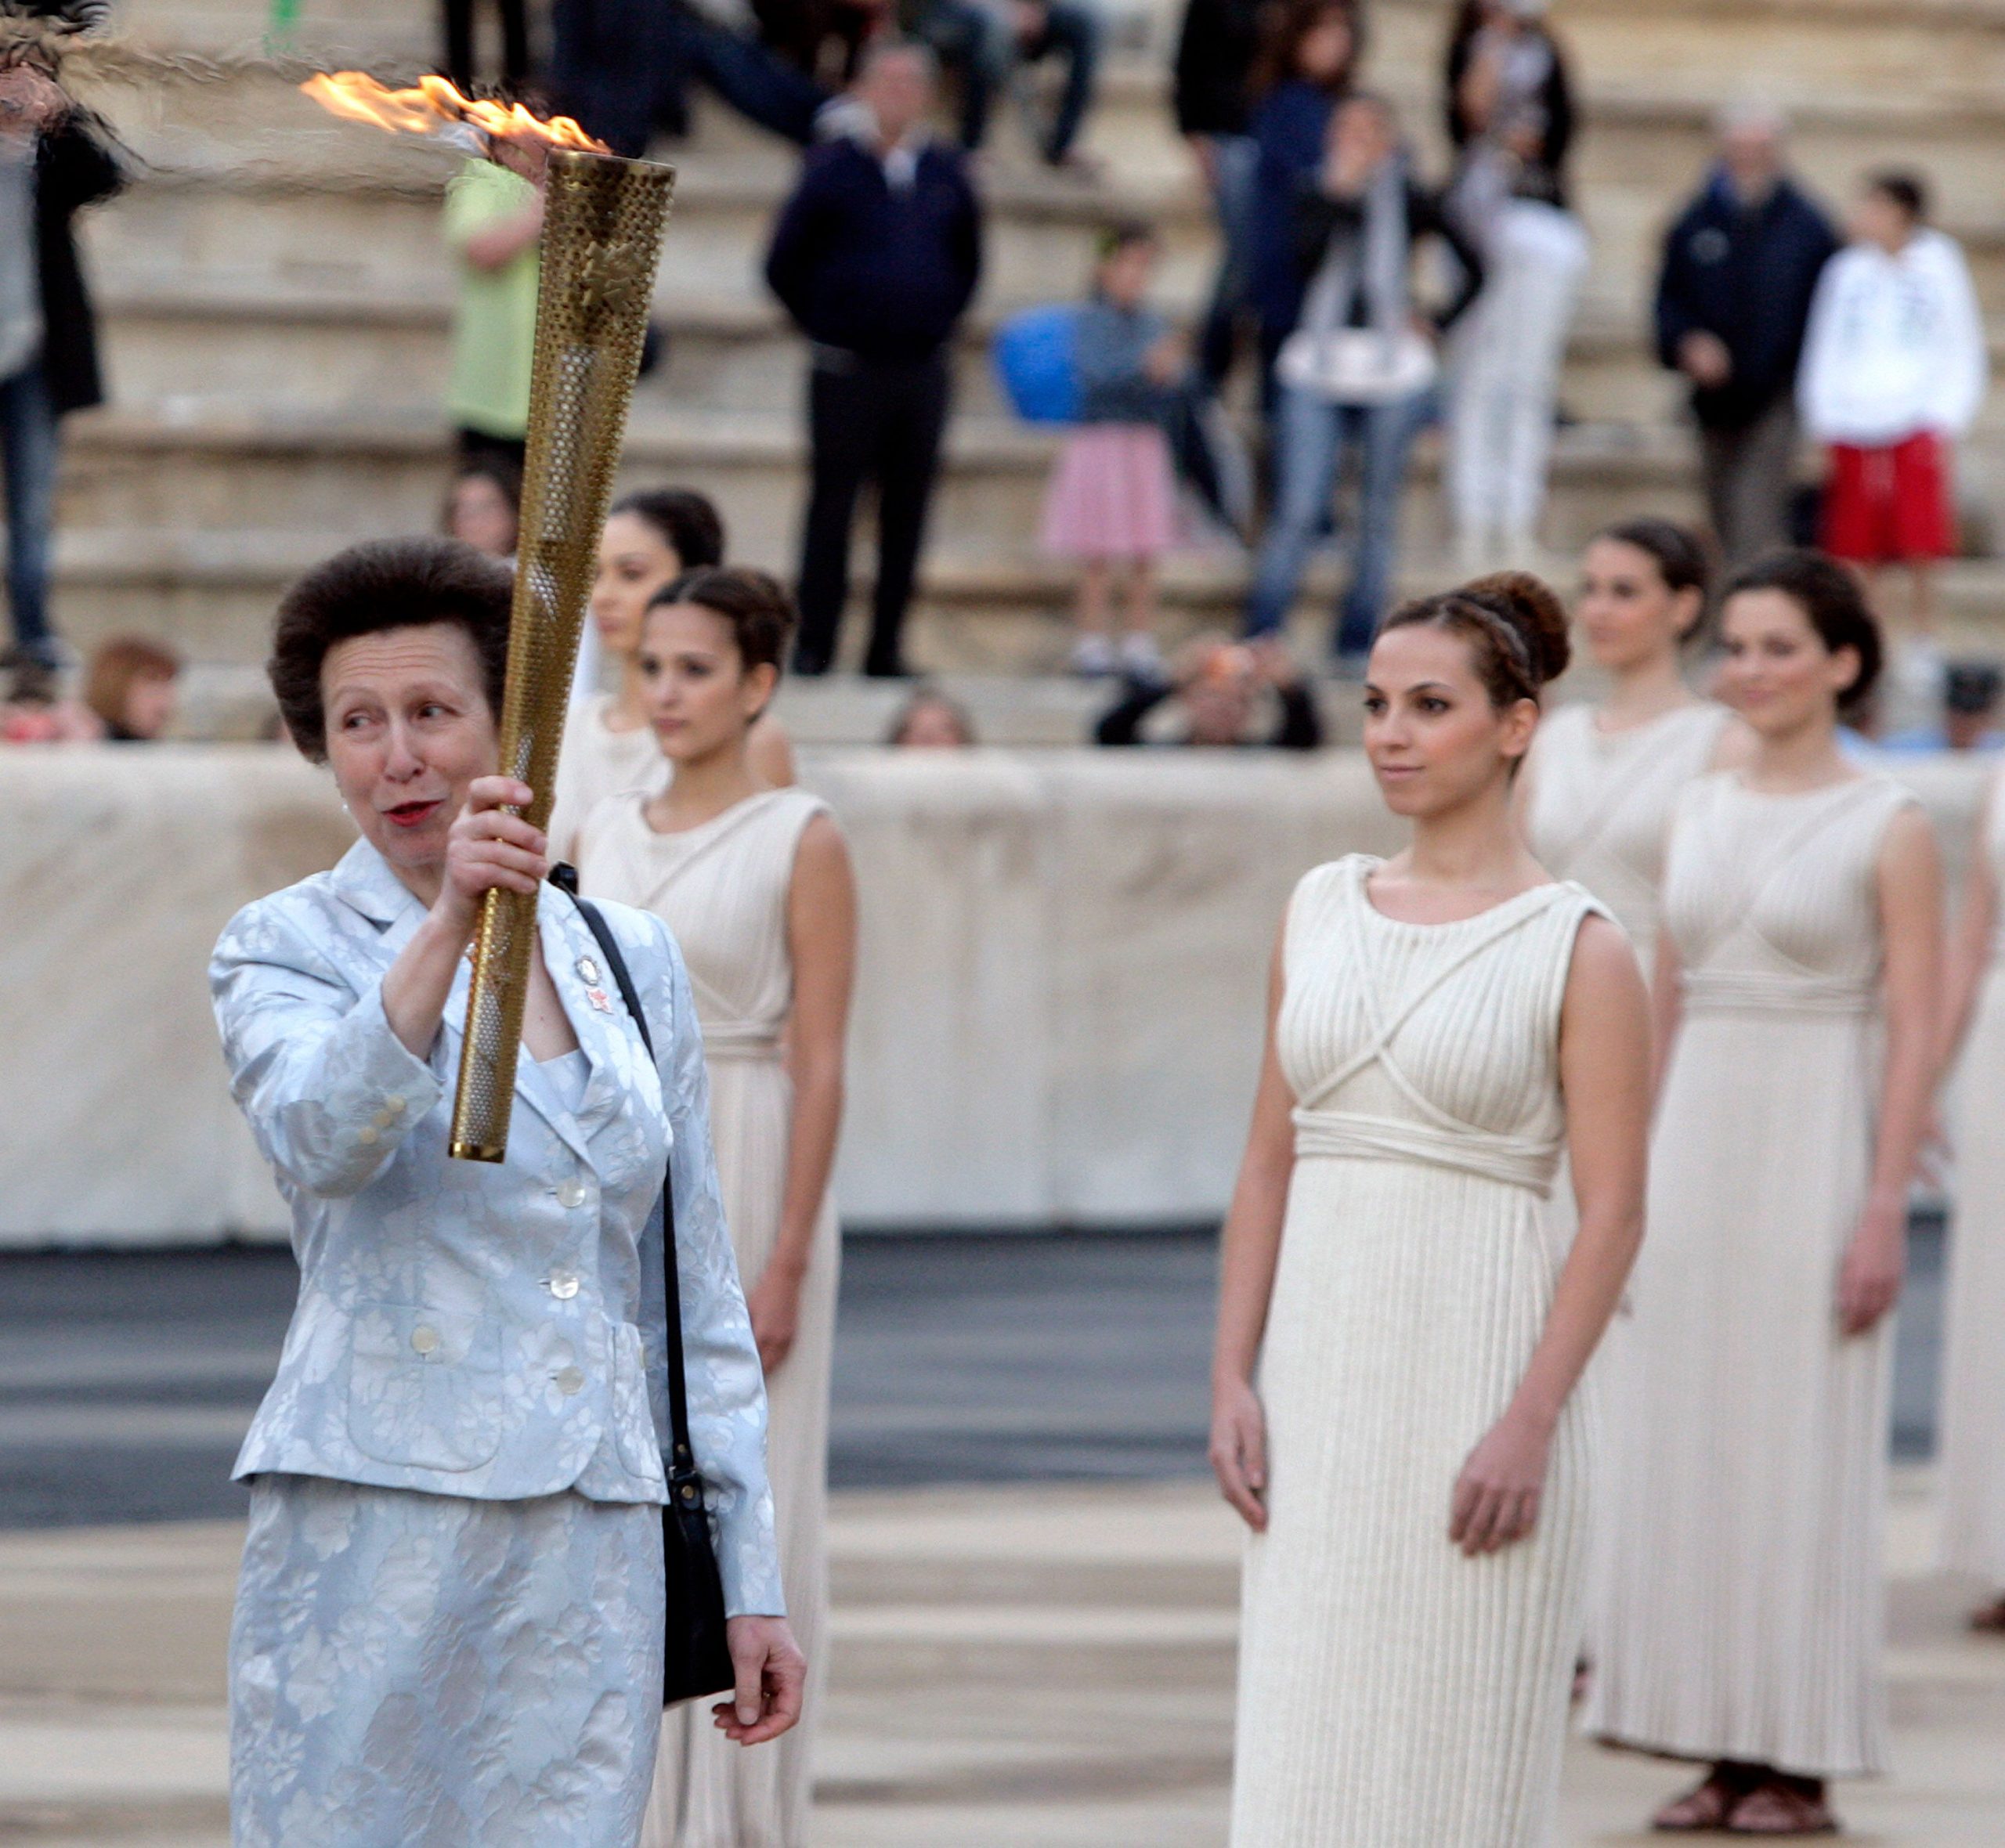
(1093, 658)
(1140, 659)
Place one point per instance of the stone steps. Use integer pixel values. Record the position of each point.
(225, 343)
(274, 297)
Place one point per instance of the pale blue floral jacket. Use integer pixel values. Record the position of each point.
(490, 1330)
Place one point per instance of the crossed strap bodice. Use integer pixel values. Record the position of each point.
(1739, 968)
(1433, 1136)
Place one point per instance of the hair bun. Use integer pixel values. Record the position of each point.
(1532, 607)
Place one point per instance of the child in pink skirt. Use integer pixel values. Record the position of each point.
(1112, 501)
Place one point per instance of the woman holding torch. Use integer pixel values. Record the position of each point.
(450, 1622)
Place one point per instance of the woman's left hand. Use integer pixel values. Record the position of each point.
(772, 1676)
(1497, 1496)
(1869, 1279)
(775, 1305)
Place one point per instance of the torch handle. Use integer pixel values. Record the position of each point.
(601, 238)
(496, 998)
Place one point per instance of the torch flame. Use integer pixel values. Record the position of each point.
(435, 106)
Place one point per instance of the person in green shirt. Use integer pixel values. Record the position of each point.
(494, 229)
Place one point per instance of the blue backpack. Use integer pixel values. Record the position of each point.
(1036, 356)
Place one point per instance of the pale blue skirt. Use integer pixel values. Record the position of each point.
(425, 1671)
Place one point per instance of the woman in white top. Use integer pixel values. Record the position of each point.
(1973, 1447)
(1414, 1462)
(754, 881)
(652, 537)
(1743, 1617)
(1601, 779)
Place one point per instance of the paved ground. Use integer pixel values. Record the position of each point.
(1042, 1654)
(1023, 1666)
(127, 1380)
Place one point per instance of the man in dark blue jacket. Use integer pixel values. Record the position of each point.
(875, 257)
(1739, 267)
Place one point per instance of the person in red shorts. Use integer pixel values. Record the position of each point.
(1894, 370)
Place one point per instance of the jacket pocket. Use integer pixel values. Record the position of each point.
(424, 1386)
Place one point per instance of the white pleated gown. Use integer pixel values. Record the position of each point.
(1599, 814)
(1601, 802)
(1743, 1614)
(723, 889)
(1972, 1471)
(596, 761)
(1393, 1694)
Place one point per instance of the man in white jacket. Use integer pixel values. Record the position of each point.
(1894, 369)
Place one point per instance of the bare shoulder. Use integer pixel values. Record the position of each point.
(1604, 968)
(822, 845)
(1908, 847)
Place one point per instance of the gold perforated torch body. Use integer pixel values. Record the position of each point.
(603, 218)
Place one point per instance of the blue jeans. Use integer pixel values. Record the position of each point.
(982, 47)
(27, 451)
(1311, 438)
(1237, 165)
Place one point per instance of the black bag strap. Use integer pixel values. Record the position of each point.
(682, 1460)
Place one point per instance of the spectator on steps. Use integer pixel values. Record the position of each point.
(483, 507)
(494, 229)
(625, 69)
(1215, 55)
(132, 687)
(825, 39)
(1110, 506)
(875, 257)
(1733, 299)
(1305, 65)
(1217, 688)
(1358, 372)
(52, 165)
(1895, 366)
(931, 720)
(459, 33)
(1967, 717)
(986, 46)
(1510, 116)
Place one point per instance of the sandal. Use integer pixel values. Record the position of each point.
(1776, 1808)
(1704, 1809)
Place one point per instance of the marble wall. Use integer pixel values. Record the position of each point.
(1058, 1014)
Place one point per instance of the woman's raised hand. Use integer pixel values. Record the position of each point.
(1239, 1449)
(490, 850)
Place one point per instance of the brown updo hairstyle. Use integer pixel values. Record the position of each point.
(1681, 556)
(1515, 625)
(1832, 601)
(379, 585)
(755, 605)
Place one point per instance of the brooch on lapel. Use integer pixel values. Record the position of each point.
(588, 973)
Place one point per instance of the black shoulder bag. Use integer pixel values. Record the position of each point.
(695, 1657)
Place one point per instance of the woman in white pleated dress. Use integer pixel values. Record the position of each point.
(1971, 1473)
(755, 883)
(1599, 787)
(652, 537)
(1412, 1459)
(1743, 1611)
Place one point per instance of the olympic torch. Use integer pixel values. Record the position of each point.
(603, 218)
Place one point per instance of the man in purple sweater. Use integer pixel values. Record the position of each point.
(875, 257)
